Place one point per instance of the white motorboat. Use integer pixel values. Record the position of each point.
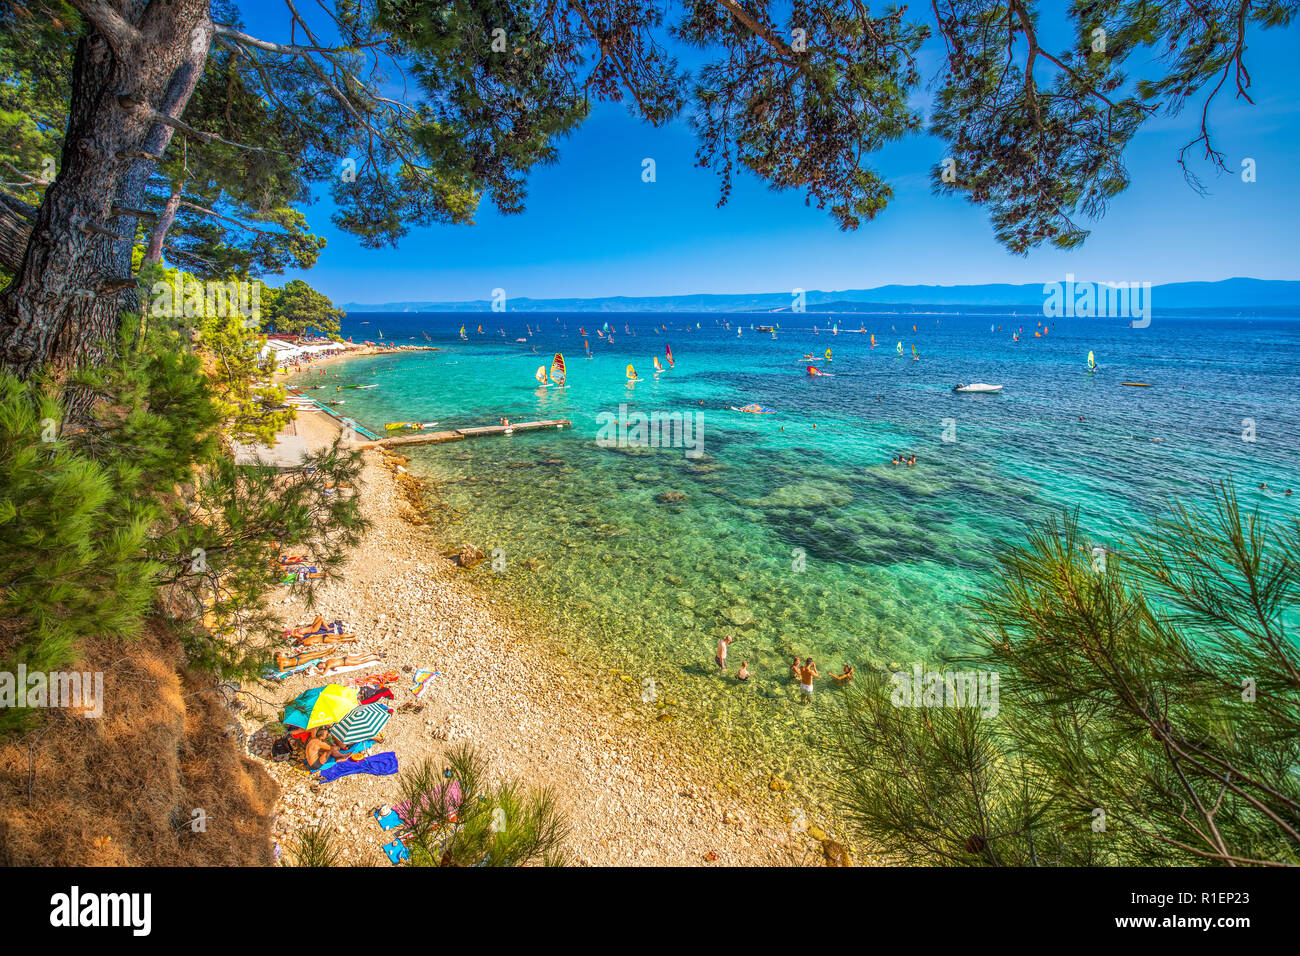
(977, 387)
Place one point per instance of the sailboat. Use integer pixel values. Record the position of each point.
(557, 370)
(658, 367)
(668, 349)
(1092, 362)
(541, 377)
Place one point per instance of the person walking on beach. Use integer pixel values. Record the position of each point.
(807, 675)
(721, 656)
(795, 668)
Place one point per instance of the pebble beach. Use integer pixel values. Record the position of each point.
(634, 791)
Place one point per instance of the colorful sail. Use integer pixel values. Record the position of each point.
(1092, 362)
(873, 340)
(914, 355)
(541, 375)
(557, 370)
(631, 372)
(828, 355)
(658, 367)
(900, 348)
(669, 350)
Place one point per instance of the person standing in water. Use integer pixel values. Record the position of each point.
(721, 655)
(807, 674)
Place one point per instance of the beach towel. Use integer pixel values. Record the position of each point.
(389, 821)
(352, 751)
(371, 694)
(376, 680)
(397, 852)
(421, 680)
(274, 674)
(380, 765)
(345, 670)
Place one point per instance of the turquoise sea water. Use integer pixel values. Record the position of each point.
(795, 533)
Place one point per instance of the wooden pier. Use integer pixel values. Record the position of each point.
(434, 438)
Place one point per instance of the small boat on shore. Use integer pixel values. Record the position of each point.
(977, 387)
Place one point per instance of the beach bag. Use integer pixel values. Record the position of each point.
(282, 748)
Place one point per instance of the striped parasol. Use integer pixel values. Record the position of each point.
(361, 724)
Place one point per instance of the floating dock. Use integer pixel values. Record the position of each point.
(434, 438)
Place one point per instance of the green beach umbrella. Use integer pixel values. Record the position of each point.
(361, 724)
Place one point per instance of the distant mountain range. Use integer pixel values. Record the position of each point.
(1241, 293)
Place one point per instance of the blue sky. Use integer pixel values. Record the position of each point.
(593, 228)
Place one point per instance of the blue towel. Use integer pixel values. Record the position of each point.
(381, 765)
(348, 751)
(389, 822)
(397, 851)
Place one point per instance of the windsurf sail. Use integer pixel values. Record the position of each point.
(668, 349)
(658, 367)
(900, 348)
(873, 340)
(541, 374)
(631, 372)
(828, 355)
(914, 355)
(1092, 362)
(462, 333)
(480, 330)
(557, 370)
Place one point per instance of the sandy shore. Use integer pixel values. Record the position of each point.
(634, 792)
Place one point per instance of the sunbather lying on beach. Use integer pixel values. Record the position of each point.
(284, 662)
(317, 626)
(313, 639)
(324, 667)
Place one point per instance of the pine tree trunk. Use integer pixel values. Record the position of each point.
(66, 300)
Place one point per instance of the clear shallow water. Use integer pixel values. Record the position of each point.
(889, 553)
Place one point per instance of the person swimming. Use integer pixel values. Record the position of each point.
(743, 673)
(845, 676)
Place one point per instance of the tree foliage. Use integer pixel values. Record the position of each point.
(463, 819)
(1150, 711)
(146, 504)
(298, 309)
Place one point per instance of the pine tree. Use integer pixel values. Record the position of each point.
(1150, 708)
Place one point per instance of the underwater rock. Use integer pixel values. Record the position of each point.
(806, 494)
(740, 616)
(468, 555)
(670, 497)
(835, 854)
